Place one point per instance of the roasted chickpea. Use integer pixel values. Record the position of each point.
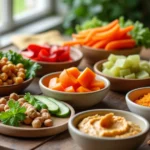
(12, 75)
(38, 114)
(22, 70)
(27, 120)
(11, 66)
(1, 82)
(2, 63)
(19, 65)
(48, 123)
(43, 110)
(3, 100)
(46, 115)
(40, 118)
(14, 96)
(27, 105)
(4, 76)
(9, 81)
(2, 107)
(36, 123)
(4, 59)
(21, 101)
(8, 62)
(18, 80)
(5, 68)
(31, 112)
(6, 107)
(21, 74)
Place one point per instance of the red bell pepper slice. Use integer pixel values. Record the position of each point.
(36, 48)
(64, 56)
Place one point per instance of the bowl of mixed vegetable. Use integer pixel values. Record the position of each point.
(81, 89)
(98, 39)
(52, 58)
(16, 73)
(37, 114)
(124, 72)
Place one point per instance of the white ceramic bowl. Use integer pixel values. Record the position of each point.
(77, 100)
(105, 143)
(136, 108)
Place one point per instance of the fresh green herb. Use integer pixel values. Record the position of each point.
(90, 24)
(33, 101)
(139, 33)
(16, 58)
(14, 115)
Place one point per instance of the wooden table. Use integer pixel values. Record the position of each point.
(63, 141)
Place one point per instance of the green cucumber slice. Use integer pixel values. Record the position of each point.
(52, 107)
(64, 111)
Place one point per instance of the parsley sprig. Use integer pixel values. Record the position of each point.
(16, 58)
(14, 115)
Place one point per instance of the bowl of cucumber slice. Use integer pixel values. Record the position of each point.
(124, 72)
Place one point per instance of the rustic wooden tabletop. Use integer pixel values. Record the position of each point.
(63, 141)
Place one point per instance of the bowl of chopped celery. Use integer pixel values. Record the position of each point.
(124, 73)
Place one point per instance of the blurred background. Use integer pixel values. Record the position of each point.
(36, 16)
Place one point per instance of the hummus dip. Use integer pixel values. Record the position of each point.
(108, 125)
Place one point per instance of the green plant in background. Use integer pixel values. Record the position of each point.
(106, 10)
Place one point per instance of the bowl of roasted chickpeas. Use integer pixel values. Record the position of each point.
(12, 77)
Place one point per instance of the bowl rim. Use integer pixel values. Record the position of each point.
(73, 93)
(13, 85)
(133, 103)
(110, 51)
(74, 49)
(95, 67)
(74, 129)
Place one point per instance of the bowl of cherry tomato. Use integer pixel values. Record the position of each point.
(52, 58)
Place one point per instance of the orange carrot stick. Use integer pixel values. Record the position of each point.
(120, 44)
(100, 29)
(107, 34)
(78, 36)
(122, 32)
(71, 43)
(100, 44)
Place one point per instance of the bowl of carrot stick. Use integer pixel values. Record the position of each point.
(138, 101)
(81, 89)
(117, 37)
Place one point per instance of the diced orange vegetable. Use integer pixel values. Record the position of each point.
(53, 82)
(86, 77)
(95, 88)
(67, 79)
(120, 44)
(69, 89)
(74, 71)
(97, 83)
(77, 85)
(58, 87)
(82, 89)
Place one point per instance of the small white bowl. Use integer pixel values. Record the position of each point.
(136, 108)
(77, 100)
(108, 143)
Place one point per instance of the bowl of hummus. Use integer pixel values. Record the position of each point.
(108, 129)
